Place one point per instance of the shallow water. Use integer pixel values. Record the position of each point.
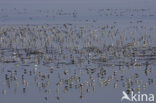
(77, 53)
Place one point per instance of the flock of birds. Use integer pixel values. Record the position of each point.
(57, 58)
(64, 57)
(30, 15)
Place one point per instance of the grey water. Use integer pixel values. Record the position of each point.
(76, 51)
